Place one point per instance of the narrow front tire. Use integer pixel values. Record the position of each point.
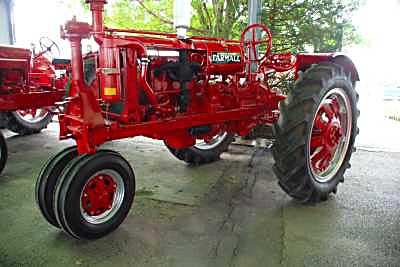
(3, 152)
(94, 195)
(47, 180)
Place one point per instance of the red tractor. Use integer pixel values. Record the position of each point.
(29, 87)
(195, 94)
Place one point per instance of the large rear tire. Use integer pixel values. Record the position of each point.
(315, 133)
(26, 122)
(204, 152)
(3, 152)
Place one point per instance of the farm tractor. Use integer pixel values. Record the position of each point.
(29, 87)
(194, 93)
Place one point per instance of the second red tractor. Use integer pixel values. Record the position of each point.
(29, 88)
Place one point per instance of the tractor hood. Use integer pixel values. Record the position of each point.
(14, 57)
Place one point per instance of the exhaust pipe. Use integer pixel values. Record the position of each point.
(182, 16)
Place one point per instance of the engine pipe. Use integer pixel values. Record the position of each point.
(97, 8)
(76, 31)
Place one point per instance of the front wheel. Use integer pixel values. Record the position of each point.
(3, 152)
(315, 133)
(29, 121)
(47, 180)
(204, 151)
(94, 195)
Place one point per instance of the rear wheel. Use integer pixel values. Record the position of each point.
(315, 133)
(29, 121)
(3, 152)
(204, 151)
(94, 195)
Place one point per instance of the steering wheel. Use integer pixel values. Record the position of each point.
(257, 42)
(49, 46)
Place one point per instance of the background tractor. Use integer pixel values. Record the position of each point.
(194, 93)
(29, 88)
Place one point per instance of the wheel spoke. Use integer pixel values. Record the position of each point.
(33, 112)
(335, 106)
(327, 109)
(211, 142)
(33, 115)
(319, 122)
(316, 141)
(320, 160)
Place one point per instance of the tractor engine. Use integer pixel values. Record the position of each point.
(195, 80)
(203, 79)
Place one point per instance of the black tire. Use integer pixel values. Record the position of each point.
(47, 180)
(15, 123)
(3, 152)
(293, 131)
(194, 155)
(67, 198)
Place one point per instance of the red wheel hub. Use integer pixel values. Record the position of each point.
(326, 134)
(26, 112)
(98, 195)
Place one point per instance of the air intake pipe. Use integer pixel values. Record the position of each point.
(97, 8)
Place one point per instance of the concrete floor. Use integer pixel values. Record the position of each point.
(229, 213)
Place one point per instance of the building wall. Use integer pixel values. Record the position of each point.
(5, 29)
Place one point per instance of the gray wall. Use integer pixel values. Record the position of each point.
(5, 29)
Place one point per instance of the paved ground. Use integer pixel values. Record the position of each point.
(230, 213)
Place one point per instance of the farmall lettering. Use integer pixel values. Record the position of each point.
(225, 58)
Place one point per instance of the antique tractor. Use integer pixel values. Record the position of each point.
(195, 94)
(29, 87)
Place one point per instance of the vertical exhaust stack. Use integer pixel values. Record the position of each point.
(182, 16)
(97, 8)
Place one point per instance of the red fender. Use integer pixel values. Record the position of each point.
(304, 61)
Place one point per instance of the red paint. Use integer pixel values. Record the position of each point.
(98, 195)
(304, 61)
(147, 101)
(26, 85)
(326, 134)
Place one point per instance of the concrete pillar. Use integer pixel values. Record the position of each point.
(6, 22)
(254, 17)
(254, 11)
